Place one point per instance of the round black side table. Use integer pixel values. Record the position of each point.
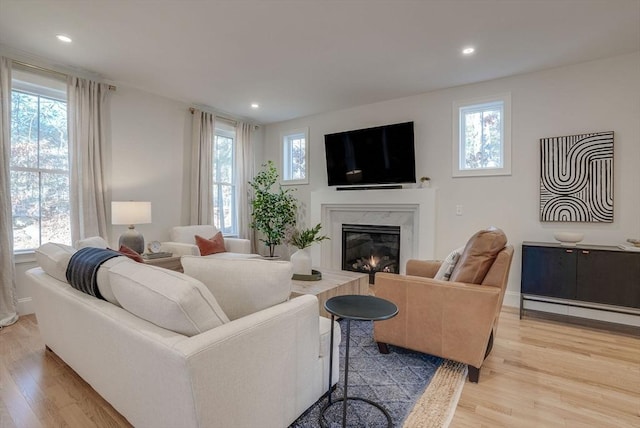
(358, 308)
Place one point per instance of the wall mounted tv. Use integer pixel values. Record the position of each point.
(372, 156)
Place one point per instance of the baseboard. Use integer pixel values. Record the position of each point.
(25, 306)
(512, 299)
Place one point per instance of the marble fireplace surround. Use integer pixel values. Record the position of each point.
(414, 210)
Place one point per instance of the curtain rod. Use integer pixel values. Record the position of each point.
(193, 110)
(47, 70)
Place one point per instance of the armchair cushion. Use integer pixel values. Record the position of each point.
(213, 245)
(478, 256)
(183, 242)
(186, 234)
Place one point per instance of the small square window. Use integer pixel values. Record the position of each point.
(295, 157)
(482, 137)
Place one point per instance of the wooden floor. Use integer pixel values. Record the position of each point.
(551, 374)
(539, 374)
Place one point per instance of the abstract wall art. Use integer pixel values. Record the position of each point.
(576, 178)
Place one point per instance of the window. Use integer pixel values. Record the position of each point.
(295, 157)
(225, 215)
(39, 161)
(482, 137)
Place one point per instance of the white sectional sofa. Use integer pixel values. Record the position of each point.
(259, 368)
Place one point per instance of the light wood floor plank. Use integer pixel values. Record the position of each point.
(549, 374)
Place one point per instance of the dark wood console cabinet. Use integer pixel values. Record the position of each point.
(592, 276)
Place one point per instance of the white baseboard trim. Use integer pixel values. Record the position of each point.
(25, 306)
(512, 299)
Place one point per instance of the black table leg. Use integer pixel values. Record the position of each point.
(346, 376)
(330, 361)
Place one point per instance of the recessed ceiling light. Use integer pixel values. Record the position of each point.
(255, 105)
(63, 38)
(468, 50)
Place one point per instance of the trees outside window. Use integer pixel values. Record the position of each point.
(481, 143)
(39, 165)
(225, 215)
(295, 157)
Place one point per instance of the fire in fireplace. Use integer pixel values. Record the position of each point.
(370, 249)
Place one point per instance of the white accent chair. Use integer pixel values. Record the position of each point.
(183, 242)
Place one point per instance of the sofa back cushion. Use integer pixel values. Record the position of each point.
(187, 234)
(93, 241)
(242, 286)
(54, 258)
(478, 256)
(166, 298)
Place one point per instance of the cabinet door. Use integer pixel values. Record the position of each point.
(609, 277)
(548, 271)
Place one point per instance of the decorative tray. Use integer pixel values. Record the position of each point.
(315, 276)
(150, 256)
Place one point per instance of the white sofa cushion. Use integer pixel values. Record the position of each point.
(104, 281)
(166, 298)
(54, 258)
(242, 286)
(93, 241)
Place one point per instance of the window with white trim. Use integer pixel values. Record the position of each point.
(295, 157)
(482, 136)
(39, 164)
(225, 212)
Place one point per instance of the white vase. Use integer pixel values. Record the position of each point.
(301, 261)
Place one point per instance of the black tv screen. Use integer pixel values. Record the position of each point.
(380, 155)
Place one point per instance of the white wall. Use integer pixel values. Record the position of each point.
(601, 95)
(150, 138)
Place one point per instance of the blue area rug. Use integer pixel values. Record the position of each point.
(395, 381)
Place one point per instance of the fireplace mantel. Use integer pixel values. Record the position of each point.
(414, 210)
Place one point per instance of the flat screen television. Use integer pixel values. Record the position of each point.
(363, 157)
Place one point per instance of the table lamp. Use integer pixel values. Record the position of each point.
(131, 213)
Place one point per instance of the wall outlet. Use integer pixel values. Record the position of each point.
(458, 209)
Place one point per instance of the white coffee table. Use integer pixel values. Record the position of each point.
(333, 283)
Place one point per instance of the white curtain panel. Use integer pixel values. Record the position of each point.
(202, 135)
(87, 115)
(245, 172)
(8, 312)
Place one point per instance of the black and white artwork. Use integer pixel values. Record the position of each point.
(576, 178)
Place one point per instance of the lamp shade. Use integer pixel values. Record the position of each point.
(130, 212)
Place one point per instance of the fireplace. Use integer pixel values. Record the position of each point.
(370, 249)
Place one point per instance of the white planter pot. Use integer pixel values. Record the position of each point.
(301, 261)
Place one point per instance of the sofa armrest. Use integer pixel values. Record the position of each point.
(424, 268)
(180, 249)
(237, 245)
(449, 319)
(270, 353)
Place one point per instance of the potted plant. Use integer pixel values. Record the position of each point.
(302, 239)
(271, 211)
(425, 182)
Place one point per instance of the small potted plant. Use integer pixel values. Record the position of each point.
(303, 238)
(425, 182)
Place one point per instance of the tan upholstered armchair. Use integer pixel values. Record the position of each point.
(453, 319)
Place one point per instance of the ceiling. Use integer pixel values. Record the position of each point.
(297, 58)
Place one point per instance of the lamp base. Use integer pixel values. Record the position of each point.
(132, 239)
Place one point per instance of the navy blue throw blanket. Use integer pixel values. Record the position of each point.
(82, 272)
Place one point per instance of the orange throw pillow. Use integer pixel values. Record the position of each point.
(210, 246)
(133, 255)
